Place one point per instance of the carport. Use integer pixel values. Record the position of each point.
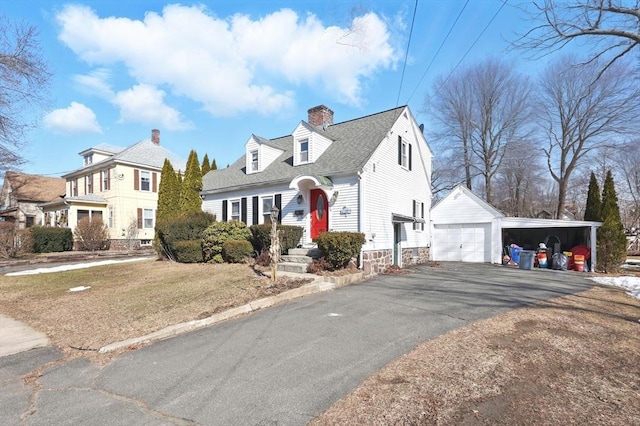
(466, 228)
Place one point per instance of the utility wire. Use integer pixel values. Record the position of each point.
(437, 52)
(475, 41)
(406, 55)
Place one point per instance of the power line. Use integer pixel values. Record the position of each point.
(406, 55)
(475, 41)
(437, 52)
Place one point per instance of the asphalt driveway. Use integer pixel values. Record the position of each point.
(282, 365)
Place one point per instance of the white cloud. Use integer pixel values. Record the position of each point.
(145, 104)
(235, 64)
(77, 118)
(96, 83)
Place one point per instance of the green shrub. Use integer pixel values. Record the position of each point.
(338, 248)
(48, 240)
(236, 251)
(188, 227)
(261, 237)
(217, 233)
(189, 251)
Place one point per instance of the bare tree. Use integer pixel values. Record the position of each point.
(581, 113)
(480, 110)
(611, 26)
(24, 79)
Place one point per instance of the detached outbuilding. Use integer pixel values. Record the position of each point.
(466, 228)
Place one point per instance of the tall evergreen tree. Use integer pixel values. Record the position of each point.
(191, 186)
(593, 209)
(214, 166)
(205, 165)
(612, 242)
(168, 193)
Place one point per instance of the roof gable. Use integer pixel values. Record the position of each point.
(461, 204)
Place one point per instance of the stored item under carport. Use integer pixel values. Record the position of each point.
(526, 259)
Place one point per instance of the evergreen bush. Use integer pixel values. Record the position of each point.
(217, 233)
(236, 251)
(189, 251)
(49, 240)
(338, 248)
(612, 242)
(261, 237)
(188, 227)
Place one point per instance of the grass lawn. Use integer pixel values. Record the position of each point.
(128, 300)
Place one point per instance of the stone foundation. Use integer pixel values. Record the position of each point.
(377, 261)
(123, 245)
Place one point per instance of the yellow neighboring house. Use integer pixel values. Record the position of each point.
(22, 193)
(118, 185)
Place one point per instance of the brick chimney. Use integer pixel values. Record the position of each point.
(155, 136)
(320, 116)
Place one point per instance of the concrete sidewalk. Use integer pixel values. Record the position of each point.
(17, 337)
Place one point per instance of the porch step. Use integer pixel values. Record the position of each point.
(312, 252)
(296, 259)
(300, 268)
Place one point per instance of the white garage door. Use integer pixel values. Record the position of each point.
(462, 242)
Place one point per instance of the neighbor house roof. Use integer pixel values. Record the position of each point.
(353, 144)
(144, 153)
(35, 188)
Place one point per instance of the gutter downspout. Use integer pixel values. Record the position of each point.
(360, 212)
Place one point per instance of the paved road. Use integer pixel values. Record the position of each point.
(282, 365)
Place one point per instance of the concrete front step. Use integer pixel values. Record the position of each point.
(299, 268)
(296, 259)
(312, 252)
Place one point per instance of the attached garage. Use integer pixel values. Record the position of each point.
(465, 228)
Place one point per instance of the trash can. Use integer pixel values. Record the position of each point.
(526, 259)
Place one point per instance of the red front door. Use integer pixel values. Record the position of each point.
(319, 213)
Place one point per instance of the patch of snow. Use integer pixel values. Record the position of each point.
(70, 267)
(630, 283)
(80, 288)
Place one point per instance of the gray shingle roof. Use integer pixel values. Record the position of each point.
(88, 198)
(354, 142)
(147, 153)
(105, 147)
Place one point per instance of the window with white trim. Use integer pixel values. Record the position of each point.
(110, 225)
(104, 175)
(404, 156)
(88, 184)
(254, 161)
(235, 209)
(74, 188)
(304, 151)
(145, 180)
(418, 213)
(147, 218)
(267, 205)
(88, 159)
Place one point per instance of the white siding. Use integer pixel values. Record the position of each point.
(343, 214)
(389, 188)
(317, 143)
(460, 207)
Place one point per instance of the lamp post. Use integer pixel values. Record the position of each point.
(274, 250)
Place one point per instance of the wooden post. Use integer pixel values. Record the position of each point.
(274, 250)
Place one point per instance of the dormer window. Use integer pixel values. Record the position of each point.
(88, 159)
(304, 151)
(254, 161)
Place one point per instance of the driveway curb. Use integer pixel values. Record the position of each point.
(318, 286)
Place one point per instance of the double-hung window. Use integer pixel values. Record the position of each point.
(145, 181)
(254, 161)
(74, 188)
(304, 151)
(418, 213)
(267, 205)
(235, 210)
(104, 175)
(88, 184)
(404, 156)
(147, 218)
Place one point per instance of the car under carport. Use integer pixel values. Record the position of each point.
(466, 228)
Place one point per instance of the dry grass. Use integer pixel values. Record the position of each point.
(573, 360)
(128, 300)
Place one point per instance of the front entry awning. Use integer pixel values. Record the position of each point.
(400, 218)
(305, 183)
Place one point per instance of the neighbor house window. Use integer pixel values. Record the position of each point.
(74, 188)
(145, 181)
(254, 161)
(304, 151)
(30, 221)
(147, 218)
(105, 180)
(267, 204)
(88, 184)
(110, 217)
(235, 210)
(88, 159)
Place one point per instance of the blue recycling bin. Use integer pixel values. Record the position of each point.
(515, 254)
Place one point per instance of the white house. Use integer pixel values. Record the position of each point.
(466, 228)
(370, 175)
(118, 185)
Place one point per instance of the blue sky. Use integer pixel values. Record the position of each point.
(209, 74)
